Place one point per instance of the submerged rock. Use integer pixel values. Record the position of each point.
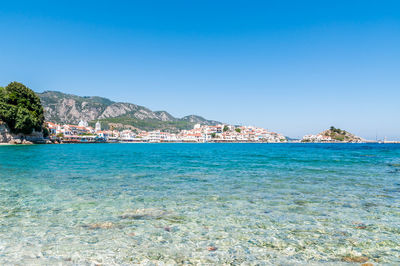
(144, 214)
(105, 225)
(359, 259)
(167, 228)
(360, 226)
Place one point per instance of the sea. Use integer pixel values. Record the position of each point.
(200, 204)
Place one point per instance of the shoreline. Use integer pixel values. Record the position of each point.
(180, 142)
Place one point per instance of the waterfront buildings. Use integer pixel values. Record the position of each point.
(199, 134)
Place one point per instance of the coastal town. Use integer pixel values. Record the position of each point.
(83, 133)
(23, 122)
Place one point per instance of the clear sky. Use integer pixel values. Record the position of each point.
(294, 67)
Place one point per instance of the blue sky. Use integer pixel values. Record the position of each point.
(294, 67)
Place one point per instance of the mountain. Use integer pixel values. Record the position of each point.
(199, 120)
(70, 109)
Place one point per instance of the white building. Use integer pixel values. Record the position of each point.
(83, 123)
(127, 135)
(98, 126)
(154, 136)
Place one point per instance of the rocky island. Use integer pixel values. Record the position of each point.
(333, 135)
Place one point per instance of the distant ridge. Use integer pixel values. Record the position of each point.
(70, 109)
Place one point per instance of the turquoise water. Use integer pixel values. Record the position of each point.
(200, 203)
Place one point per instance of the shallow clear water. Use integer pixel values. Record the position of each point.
(200, 204)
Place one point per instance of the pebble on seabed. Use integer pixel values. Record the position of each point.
(360, 225)
(211, 248)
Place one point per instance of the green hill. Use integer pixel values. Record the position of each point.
(70, 109)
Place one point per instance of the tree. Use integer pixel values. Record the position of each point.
(213, 135)
(226, 128)
(20, 108)
(238, 130)
(337, 130)
(46, 132)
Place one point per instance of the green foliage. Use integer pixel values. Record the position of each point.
(339, 134)
(85, 134)
(238, 130)
(148, 124)
(213, 135)
(226, 128)
(20, 109)
(339, 138)
(337, 130)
